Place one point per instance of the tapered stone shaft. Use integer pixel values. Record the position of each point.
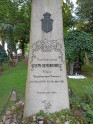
(46, 86)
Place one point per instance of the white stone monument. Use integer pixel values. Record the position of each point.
(46, 87)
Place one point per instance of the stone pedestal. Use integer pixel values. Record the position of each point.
(46, 87)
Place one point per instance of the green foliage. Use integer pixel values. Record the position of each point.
(8, 36)
(84, 104)
(15, 18)
(58, 117)
(84, 13)
(88, 70)
(68, 19)
(11, 44)
(85, 10)
(77, 43)
(27, 48)
(90, 56)
(22, 28)
(3, 55)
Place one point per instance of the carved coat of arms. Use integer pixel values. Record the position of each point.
(47, 23)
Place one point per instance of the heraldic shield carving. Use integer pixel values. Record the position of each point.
(47, 23)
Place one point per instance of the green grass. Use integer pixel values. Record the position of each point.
(12, 78)
(80, 86)
(15, 78)
(88, 70)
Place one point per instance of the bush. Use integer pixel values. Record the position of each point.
(84, 104)
(3, 55)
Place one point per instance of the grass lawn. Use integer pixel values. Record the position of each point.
(15, 78)
(12, 78)
(82, 86)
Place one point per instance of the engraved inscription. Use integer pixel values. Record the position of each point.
(46, 66)
(47, 46)
(49, 67)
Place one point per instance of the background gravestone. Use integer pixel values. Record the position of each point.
(77, 68)
(46, 87)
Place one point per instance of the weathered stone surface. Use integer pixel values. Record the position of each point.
(9, 116)
(13, 108)
(14, 120)
(41, 122)
(40, 118)
(13, 123)
(66, 122)
(8, 121)
(4, 118)
(57, 121)
(8, 113)
(46, 87)
(34, 118)
(15, 116)
(13, 96)
(21, 102)
(23, 122)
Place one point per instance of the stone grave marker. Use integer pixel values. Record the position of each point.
(77, 68)
(46, 86)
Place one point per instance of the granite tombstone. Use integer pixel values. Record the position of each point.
(77, 68)
(46, 86)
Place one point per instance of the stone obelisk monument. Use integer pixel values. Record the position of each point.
(46, 86)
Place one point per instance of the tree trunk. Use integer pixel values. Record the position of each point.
(71, 68)
(86, 62)
(22, 43)
(10, 55)
(3, 44)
